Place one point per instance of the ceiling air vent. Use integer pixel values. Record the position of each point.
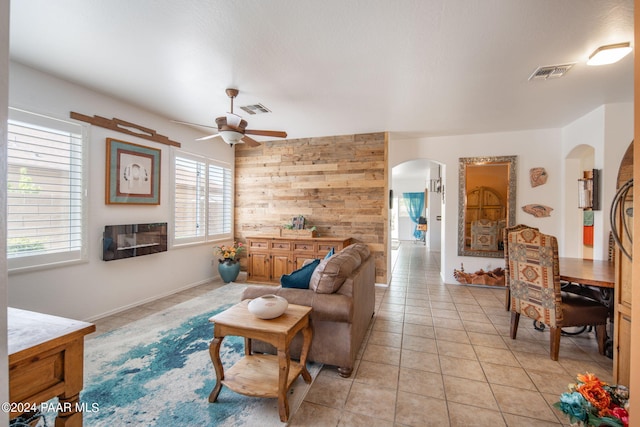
(255, 109)
(550, 71)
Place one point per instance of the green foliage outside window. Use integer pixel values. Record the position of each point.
(25, 184)
(23, 244)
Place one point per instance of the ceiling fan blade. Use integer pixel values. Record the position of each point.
(250, 141)
(204, 138)
(274, 133)
(193, 124)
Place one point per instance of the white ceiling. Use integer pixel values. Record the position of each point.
(331, 67)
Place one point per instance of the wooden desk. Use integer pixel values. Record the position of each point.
(588, 272)
(593, 279)
(261, 375)
(46, 356)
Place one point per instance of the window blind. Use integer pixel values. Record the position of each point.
(220, 200)
(189, 219)
(46, 220)
(202, 199)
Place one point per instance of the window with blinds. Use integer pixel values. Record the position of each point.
(46, 203)
(220, 199)
(202, 199)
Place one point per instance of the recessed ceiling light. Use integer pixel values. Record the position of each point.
(609, 54)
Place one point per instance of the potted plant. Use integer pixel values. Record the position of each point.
(296, 228)
(228, 265)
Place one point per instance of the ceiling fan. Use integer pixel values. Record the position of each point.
(233, 128)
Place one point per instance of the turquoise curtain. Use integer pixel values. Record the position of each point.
(415, 207)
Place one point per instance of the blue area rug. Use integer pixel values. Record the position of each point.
(157, 372)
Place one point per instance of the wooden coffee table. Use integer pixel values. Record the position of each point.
(261, 375)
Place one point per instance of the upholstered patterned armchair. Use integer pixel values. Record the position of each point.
(534, 281)
(506, 231)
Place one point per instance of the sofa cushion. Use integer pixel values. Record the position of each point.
(362, 249)
(301, 277)
(332, 272)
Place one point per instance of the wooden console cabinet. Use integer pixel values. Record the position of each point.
(46, 356)
(271, 257)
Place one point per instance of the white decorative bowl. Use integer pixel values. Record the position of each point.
(268, 306)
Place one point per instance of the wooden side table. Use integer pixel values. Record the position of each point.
(261, 375)
(46, 355)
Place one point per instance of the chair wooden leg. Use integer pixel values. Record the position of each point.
(515, 319)
(507, 299)
(554, 341)
(601, 336)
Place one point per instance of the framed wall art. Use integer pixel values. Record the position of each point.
(133, 174)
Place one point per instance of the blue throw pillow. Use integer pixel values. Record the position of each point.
(300, 278)
(330, 253)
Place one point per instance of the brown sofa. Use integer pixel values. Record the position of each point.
(342, 295)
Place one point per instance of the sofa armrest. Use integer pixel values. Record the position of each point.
(364, 298)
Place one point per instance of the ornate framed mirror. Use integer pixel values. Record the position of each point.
(486, 203)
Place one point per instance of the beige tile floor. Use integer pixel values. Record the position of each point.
(435, 354)
(441, 355)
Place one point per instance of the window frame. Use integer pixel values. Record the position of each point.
(18, 264)
(206, 237)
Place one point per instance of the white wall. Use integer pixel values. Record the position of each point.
(96, 288)
(4, 96)
(609, 127)
(533, 148)
(609, 131)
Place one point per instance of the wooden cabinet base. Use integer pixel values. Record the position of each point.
(46, 355)
(270, 257)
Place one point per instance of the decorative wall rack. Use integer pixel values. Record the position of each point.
(589, 190)
(125, 127)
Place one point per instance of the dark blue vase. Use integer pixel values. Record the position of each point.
(228, 269)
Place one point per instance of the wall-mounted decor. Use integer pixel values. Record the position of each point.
(487, 192)
(133, 174)
(538, 176)
(539, 211)
(589, 190)
(125, 127)
(132, 240)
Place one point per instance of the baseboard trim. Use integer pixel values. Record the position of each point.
(151, 299)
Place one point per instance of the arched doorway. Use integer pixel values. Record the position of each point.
(419, 175)
(580, 159)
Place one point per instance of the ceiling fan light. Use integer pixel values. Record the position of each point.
(233, 120)
(609, 54)
(231, 137)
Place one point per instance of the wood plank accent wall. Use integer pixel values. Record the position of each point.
(339, 184)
